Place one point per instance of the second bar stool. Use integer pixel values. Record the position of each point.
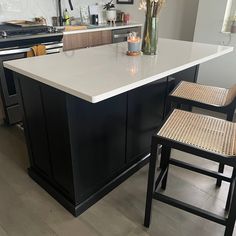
(206, 97)
(207, 137)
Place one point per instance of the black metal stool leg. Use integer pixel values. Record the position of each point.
(151, 179)
(165, 159)
(178, 105)
(232, 214)
(168, 107)
(229, 198)
(220, 170)
(230, 115)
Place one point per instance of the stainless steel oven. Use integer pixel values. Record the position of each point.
(9, 96)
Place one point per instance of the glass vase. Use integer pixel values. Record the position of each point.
(150, 35)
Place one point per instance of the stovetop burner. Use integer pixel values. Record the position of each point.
(11, 30)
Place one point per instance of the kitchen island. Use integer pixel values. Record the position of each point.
(89, 114)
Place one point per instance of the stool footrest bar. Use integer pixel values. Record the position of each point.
(203, 171)
(190, 208)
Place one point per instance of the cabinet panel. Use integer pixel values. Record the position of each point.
(47, 134)
(75, 41)
(98, 136)
(92, 39)
(36, 126)
(58, 138)
(106, 37)
(145, 114)
(83, 40)
(100, 38)
(189, 75)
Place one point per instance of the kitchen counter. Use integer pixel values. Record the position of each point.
(15, 40)
(89, 114)
(96, 74)
(103, 28)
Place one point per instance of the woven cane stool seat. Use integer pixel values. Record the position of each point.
(205, 137)
(206, 97)
(204, 132)
(205, 94)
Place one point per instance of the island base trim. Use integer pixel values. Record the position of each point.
(77, 210)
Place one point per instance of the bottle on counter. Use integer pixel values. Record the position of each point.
(126, 18)
(66, 17)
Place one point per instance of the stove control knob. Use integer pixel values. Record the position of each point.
(4, 34)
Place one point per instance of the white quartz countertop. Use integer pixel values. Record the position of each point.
(104, 28)
(96, 74)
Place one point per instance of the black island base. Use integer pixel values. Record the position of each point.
(80, 151)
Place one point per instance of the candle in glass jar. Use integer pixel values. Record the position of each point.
(134, 44)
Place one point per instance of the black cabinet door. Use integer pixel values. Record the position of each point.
(189, 75)
(97, 136)
(145, 114)
(47, 133)
(7, 84)
(36, 126)
(54, 105)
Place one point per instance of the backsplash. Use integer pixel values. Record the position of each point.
(28, 9)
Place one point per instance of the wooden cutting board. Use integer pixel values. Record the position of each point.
(75, 27)
(23, 23)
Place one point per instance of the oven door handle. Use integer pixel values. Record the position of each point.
(55, 45)
(49, 47)
(14, 51)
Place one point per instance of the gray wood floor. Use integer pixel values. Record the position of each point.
(27, 210)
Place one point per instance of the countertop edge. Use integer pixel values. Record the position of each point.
(103, 28)
(123, 89)
(102, 97)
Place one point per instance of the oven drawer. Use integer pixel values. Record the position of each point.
(7, 83)
(14, 115)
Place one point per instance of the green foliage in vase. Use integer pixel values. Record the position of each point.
(108, 6)
(150, 37)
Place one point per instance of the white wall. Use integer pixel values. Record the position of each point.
(174, 16)
(221, 71)
(177, 19)
(28, 9)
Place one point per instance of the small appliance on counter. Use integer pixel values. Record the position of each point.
(94, 19)
(94, 14)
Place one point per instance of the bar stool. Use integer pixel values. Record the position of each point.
(205, 136)
(206, 97)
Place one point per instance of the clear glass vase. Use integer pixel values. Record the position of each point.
(150, 35)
